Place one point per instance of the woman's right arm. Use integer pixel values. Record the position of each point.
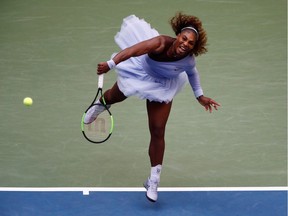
(153, 45)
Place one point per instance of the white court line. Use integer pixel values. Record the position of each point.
(136, 189)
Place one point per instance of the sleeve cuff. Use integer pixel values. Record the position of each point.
(198, 93)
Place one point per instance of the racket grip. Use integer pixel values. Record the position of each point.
(100, 80)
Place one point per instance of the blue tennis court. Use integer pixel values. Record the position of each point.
(132, 201)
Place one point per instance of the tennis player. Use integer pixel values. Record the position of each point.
(155, 68)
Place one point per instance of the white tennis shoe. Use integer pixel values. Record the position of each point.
(93, 112)
(151, 187)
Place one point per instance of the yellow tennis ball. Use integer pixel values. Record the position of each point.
(28, 101)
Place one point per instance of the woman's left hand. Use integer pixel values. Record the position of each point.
(208, 103)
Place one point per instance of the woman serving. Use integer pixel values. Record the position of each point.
(155, 68)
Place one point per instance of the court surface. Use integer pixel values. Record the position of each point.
(131, 201)
(49, 51)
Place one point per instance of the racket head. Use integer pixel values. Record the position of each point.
(99, 130)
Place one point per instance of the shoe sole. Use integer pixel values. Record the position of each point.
(151, 200)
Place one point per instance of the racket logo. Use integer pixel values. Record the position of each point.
(99, 125)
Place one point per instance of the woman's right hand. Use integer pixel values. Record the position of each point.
(102, 68)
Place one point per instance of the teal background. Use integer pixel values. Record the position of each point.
(49, 51)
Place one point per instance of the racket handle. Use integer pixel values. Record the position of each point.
(100, 80)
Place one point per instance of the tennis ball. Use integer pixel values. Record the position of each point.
(28, 101)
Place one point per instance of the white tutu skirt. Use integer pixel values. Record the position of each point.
(132, 78)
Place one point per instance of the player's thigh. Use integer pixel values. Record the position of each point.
(158, 114)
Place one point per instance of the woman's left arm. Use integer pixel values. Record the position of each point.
(194, 81)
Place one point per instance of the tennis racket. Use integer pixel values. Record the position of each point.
(97, 121)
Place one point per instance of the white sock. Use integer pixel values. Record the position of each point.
(155, 173)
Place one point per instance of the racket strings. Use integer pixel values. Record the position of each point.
(100, 129)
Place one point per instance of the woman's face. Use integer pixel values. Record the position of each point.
(185, 42)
